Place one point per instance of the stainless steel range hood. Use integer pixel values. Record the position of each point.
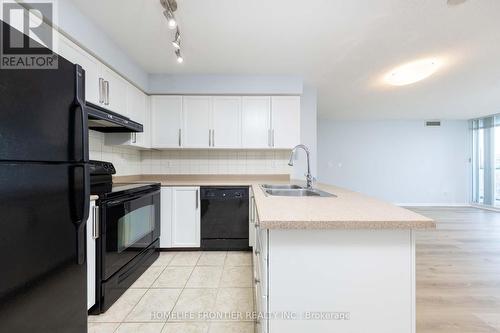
(103, 120)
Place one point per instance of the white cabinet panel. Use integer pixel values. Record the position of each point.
(91, 256)
(76, 55)
(138, 109)
(186, 217)
(196, 114)
(117, 91)
(144, 138)
(166, 121)
(166, 217)
(256, 113)
(136, 104)
(285, 121)
(226, 122)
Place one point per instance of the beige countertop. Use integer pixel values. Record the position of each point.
(348, 210)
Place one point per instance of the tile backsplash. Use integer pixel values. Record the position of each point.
(127, 161)
(130, 161)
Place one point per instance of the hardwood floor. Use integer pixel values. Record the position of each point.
(458, 272)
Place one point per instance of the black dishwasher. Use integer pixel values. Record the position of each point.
(224, 218)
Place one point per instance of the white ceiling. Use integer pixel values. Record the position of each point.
(342, 47)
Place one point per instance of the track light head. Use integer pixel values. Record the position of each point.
(169, 4)
(176, 43)
(172, 23)
(180, 60)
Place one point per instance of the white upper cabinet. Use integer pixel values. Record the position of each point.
(138, 109)
(166, 121)
(115, 91)
(196, 114)
(76, 55)
(136, 104)
(144, 138)
(256, 114)
(226, 122)
(285, 121)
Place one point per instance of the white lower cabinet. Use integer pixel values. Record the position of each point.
(180, 217)
(260, 271)
(92, 233)
(166, 217)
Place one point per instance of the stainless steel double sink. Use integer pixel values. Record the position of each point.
(293, 191)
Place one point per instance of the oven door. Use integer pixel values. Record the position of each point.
(130, 224)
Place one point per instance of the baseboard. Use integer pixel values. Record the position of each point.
(493, 209)
(433, 204)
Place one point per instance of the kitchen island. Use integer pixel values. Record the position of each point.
(325, 264)
(334, 264)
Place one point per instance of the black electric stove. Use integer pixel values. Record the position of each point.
(101, 182)
(128, 243)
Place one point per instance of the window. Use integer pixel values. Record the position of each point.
(486, 160)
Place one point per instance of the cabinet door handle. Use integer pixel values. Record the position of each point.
(95, 222)
(251, 210)
(210, 138)
(106, 92)
(269, 137)
(180, 135)
(272, 137)
(101, 92)
(213, 138)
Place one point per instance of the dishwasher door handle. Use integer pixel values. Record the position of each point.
(197, 198)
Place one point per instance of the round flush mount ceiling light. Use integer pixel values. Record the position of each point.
(413, 71)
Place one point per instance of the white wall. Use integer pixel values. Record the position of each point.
(225, 84)
(399, 161)
(308, 133)
(82, 30)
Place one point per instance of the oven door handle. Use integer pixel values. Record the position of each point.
(131, 198)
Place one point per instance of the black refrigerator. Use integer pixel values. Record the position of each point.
(44, 199)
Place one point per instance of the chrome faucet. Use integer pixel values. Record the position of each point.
(309, 177)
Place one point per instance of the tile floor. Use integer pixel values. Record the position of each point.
(180, 292)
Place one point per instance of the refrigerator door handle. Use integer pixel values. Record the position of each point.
(79, 103)
(81, 203)
(80, 206)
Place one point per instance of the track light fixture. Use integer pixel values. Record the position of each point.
(170, 6)
(176, 43)
(179, 56)
(172, 23)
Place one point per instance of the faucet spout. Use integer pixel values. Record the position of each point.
(309, 177)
